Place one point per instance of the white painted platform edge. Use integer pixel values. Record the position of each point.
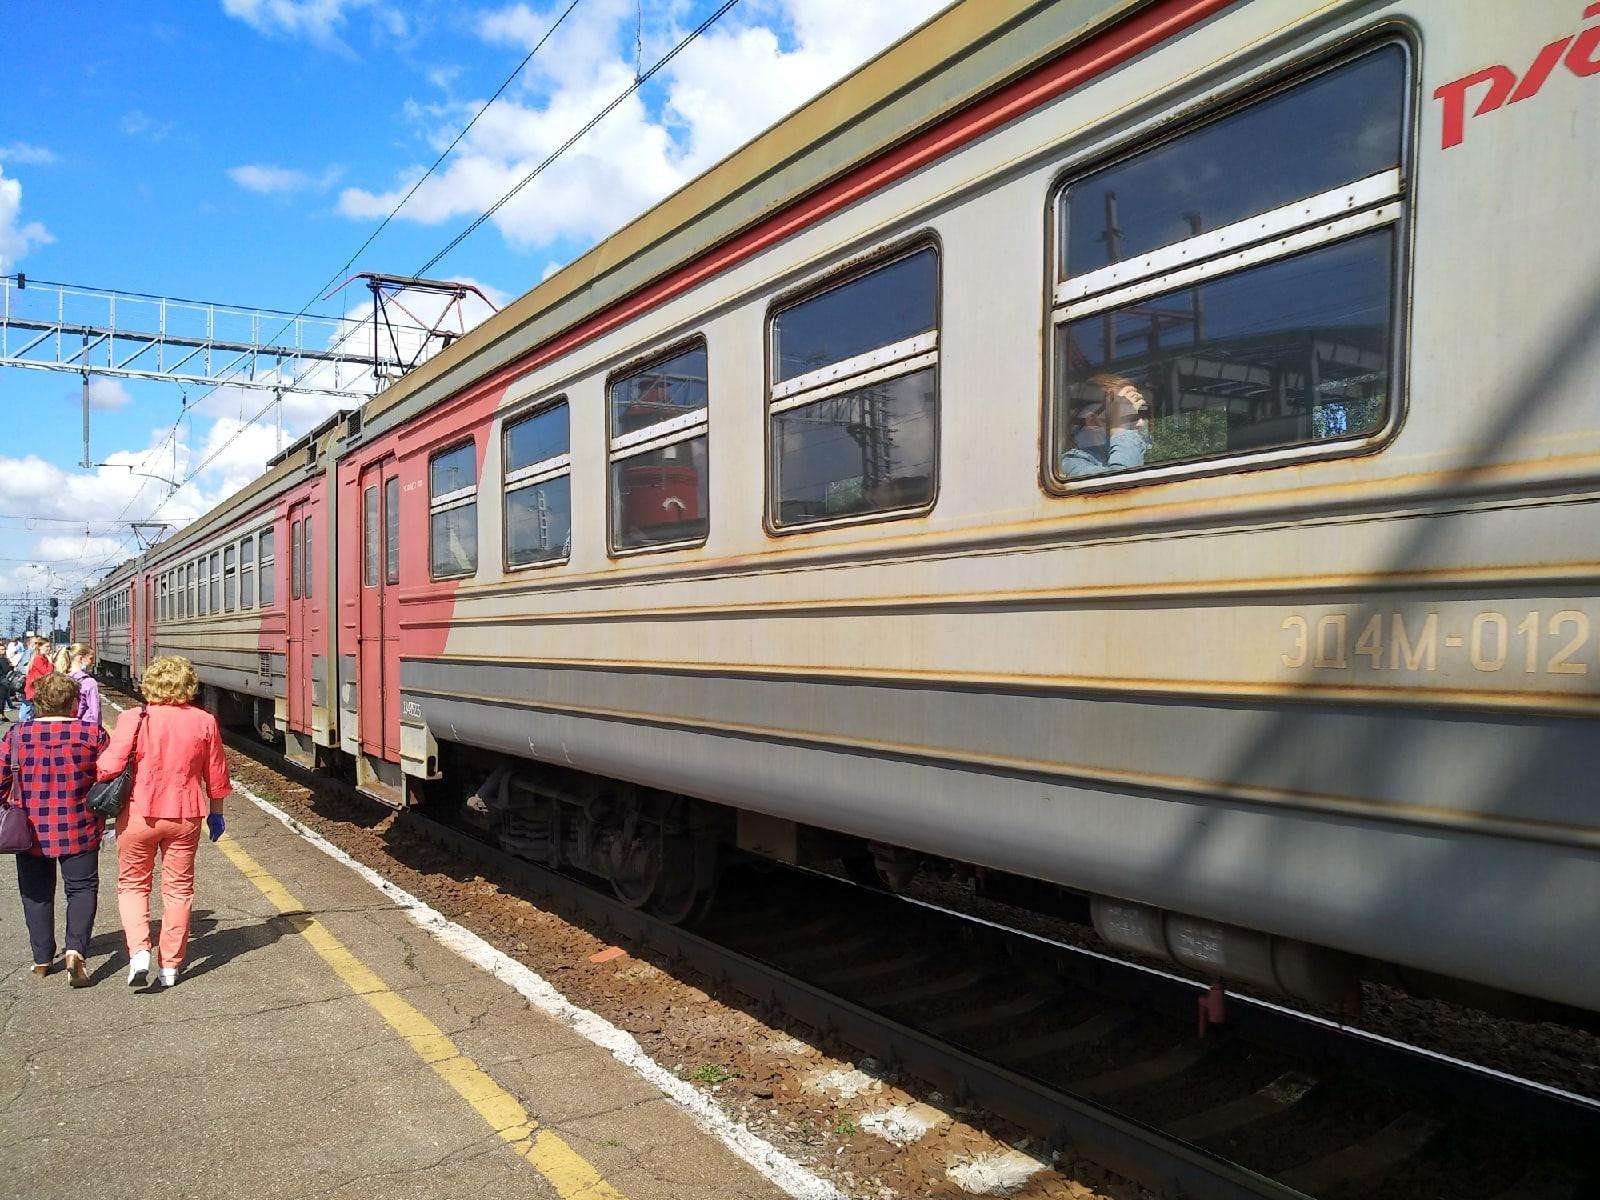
(766, 1158)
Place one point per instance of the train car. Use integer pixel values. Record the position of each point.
(109, 622)
(224, 596)
(1145, 450)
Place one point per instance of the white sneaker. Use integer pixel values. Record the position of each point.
(169, 976)
(140, 964)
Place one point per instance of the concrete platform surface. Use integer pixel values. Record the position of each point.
(318, 1044)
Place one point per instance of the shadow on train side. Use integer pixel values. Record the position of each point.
(1515, 896)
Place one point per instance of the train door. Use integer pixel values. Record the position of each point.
(302, 585)
(378, 670)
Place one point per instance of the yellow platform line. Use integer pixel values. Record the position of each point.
(572, 1176)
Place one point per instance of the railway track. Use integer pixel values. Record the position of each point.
(1092, 1052)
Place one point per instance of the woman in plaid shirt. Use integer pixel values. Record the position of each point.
(47, 766)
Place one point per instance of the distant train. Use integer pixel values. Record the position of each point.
(1148, 452)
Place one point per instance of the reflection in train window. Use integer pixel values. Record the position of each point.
(1339, 126)
(391, 529)
(1218, 309)
(266, 565)
(247, 573)
(854, 401)
(453, 512)
(369, 538)
(538, 495)
(659, 424)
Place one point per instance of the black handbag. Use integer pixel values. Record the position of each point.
(106, 799)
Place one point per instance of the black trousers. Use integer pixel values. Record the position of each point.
(36, 879)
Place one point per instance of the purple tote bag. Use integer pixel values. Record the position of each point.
(16, 835)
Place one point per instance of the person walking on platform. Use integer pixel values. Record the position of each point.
(38, 668)
(47, 767)
(77, 661)
(24, 661)
(180, 779)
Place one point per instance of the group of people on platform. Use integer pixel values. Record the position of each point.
(54, 754)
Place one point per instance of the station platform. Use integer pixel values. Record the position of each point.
(318, 1043)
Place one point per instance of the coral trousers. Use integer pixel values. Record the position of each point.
(138, 841)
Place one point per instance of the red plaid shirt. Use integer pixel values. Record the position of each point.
(48, 767)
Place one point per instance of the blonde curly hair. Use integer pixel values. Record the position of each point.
(169, 679)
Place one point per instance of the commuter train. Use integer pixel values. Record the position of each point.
(1145, 452)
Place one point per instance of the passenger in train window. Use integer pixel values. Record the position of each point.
(1110, 428)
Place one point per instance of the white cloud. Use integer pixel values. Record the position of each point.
(16, 238)
(723, 89)
(320, 22)
(267, 180)
(23, 152)
(105, 394)
(140, 124)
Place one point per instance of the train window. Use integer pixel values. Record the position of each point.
(266, 566)
(310, 559)
(1231, 290)
(369, 537)
(191, 604)
(216, 582)
(453, 512)
(391, 530)
(538, 488)
(854, 400)
(230, 579)
(205, 591)
(294, 560)
(659, 427)
(247, 573)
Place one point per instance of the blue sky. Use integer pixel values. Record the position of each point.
(240, 150)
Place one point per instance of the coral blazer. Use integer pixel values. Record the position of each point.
(181, 765)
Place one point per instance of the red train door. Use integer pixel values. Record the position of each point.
(378, 670)
(302, 583)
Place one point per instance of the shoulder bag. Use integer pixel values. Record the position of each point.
(16, 835)
(106, 799)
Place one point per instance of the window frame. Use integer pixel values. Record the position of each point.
(217, 591)
(681, 432)
(230, 574)
(544, 471)
(871, 367)
(247, 562)
(449, 502)
(205, 592)
(1224, 263)
(266, 567)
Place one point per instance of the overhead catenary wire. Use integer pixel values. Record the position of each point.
(344, 268)
(638, 82)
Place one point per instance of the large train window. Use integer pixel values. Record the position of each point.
(1232, 290)
(538, 488)
(266, 566)
(369, 536)
(216, 581)
(230, 579)
(659, 423)
(453, 512)
(854, 398)
(204, 590)
(391, 530)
